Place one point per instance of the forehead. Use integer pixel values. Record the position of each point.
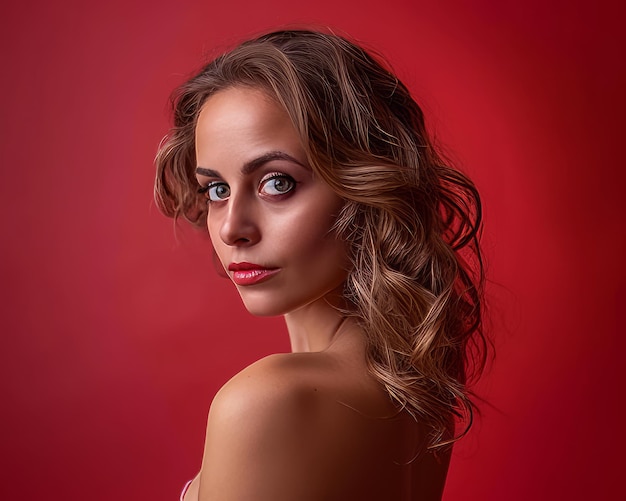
(239, 107)
(238, 123)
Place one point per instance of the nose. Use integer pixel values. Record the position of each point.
(239, 226)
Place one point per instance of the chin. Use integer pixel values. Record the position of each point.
(264, 310)
(264, 307)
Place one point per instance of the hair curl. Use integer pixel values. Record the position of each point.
(412, 221)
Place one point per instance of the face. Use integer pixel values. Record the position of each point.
(269, 216)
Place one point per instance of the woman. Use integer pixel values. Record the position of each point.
(327, 203)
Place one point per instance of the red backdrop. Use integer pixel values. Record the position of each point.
(115, 335)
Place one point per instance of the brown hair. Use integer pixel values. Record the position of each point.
(412, 221)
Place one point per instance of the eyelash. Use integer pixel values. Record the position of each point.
(277, 175)
(208, 190)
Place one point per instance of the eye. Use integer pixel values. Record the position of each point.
(215, 191)
(277, 184)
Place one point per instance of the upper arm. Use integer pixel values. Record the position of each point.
(266, 438)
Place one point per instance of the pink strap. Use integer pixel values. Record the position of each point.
(182, 494)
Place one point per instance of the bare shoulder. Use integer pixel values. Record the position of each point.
(277, 382)
(280, 429)
(275, 397)
(299, 388)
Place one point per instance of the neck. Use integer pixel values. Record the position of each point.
(314, 327)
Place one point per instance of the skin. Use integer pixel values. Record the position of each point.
(312, 424)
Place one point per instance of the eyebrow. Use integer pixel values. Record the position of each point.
(252, 165)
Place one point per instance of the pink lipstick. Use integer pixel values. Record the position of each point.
(249, 273)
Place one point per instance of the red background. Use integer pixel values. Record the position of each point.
(115, 336)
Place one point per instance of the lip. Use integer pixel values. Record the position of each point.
(250, 273)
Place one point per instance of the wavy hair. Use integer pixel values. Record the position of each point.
(411, 220)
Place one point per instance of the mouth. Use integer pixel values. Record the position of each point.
(250, 274)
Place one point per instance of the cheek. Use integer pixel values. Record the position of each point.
(216, 241)
(311, 238)
(213, 234)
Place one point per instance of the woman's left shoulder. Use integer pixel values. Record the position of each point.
(272, 428)
(276, 384)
